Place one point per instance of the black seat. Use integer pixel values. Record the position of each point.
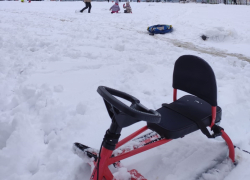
(190, 113)
(175, 125)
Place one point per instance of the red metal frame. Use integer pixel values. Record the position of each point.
(137, 151)
(229, 144)
(106, 159)
(175, 95)
(213, 116)
(131, 136)
(104, 172)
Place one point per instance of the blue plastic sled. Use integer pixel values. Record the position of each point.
(160, 29)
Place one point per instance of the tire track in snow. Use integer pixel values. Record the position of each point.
(193, 47)
(211, 51)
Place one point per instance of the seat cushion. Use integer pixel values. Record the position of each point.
(175, 125)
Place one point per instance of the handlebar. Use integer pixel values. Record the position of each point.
(136, 110)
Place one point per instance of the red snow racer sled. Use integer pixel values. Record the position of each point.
(175, 120)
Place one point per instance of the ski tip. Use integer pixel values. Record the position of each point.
(80, 146)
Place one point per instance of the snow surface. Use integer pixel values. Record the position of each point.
(53, 60)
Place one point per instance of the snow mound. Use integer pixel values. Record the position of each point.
(122, 174)
(220, 34)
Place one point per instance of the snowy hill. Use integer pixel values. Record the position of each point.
(52, 60)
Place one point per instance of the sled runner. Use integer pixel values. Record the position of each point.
(175, 120)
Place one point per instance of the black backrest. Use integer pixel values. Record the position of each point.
(195, 76)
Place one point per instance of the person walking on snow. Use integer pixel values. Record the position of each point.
(115, 8)
(127, 7)
(87, 5)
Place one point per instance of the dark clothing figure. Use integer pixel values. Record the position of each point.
(87, 5)
(235, 2)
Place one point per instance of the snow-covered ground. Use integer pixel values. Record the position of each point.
(52, 60)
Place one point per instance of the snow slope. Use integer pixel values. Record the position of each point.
(53, 60)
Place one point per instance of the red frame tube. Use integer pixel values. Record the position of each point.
(213, 116)
(131, 136)
(175, 95)
(106, 154)
(137, 151)
(229, 144)
(103, 166)
(108, 175)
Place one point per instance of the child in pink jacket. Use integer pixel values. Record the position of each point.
(115, 8)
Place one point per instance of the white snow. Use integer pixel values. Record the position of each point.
(52, 60)
(122, 174)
